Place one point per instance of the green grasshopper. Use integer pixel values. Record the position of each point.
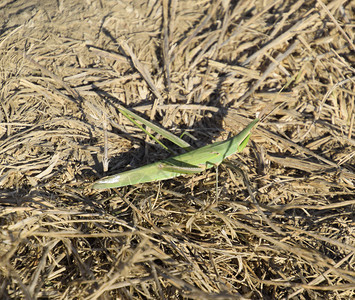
(188, 163)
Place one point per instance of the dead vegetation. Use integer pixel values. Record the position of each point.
(201, 66)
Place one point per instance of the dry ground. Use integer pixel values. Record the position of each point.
(202, 66)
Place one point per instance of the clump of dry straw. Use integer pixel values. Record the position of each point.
(206, 67)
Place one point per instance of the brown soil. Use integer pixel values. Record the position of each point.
(206, 67)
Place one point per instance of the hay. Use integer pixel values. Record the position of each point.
(202, 66)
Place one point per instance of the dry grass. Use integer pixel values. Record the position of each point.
(203, 66)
